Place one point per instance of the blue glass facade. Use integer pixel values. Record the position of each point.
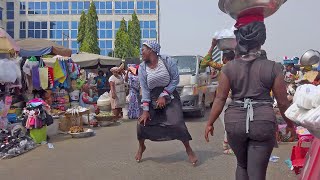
(146, 7)
(37, 8)
(57, 20)
(124, 7)
(10, 10)
(1, 11)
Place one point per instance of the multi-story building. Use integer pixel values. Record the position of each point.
(58, 20)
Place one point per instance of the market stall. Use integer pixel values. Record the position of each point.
(39, 47)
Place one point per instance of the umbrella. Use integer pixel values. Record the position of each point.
(7, 43)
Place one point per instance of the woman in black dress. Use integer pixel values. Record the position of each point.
(162, 117)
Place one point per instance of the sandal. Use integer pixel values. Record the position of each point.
(228, 151)
(225, 145)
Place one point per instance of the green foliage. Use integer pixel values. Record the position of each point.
(90, 42)
(134, 32)
(81, 28)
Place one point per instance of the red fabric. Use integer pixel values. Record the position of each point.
(244, 20)
(50, 73)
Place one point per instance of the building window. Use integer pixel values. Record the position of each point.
(148, 29)
(59, 7)
(23, 29)
(124, 7)
(104, 7)
(22, 7)
(10, 10)
(74, 29)
(1, 10)
(74, 47)
(37, 29)
(78, 7)
(37, 8)
(105, 47)
(59, 31)
(146, 7)
(105, 30)
(10, 28)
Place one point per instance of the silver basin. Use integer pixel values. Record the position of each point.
(227, 44)
(310, 58)
(238, 8)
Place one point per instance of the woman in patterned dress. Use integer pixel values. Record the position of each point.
(134, 91)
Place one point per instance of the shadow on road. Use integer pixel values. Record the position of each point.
(203, 156)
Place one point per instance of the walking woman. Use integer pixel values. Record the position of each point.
(250, 121)
(134, 91)
(162, 117)
(117, 91)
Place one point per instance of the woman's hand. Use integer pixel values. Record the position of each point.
(161, 102)
(209, 129)
(144, 117)
(114, 95)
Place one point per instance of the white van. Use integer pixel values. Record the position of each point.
(196, 88)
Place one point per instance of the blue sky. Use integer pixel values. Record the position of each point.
(187, 27)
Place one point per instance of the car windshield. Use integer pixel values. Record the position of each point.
(186, 64)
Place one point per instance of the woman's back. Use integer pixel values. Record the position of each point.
(252, 79)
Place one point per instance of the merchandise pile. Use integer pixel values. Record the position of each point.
(14, 143)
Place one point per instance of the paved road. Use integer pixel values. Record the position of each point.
(110, 155)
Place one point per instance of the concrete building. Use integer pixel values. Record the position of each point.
(58, 20)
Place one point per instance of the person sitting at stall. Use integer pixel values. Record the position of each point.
(85, 99)
(101, 82)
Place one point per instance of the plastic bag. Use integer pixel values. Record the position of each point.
(43, 75)
(294, 113)
(104, 100)
(310, 118)
(304, 96)
(316, 98)
(9, 71)
(225, 33)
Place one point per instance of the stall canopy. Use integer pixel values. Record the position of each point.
(40, 47)
(87, 60)
(7, 43)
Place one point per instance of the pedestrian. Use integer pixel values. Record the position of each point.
(134, 91)
(101, 82)
(162, 117)
(227, 55)
(250, 120)
(117, 92)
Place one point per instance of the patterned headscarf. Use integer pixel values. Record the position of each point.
(153, 45)
(114, 69)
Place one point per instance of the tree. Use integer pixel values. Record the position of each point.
(90, 41)
(81, 28)
(134, 32)
(122, 45)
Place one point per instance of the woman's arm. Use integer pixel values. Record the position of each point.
(113, 89)
(145, 90)
(174, 76)
(220, 99)
(280, 93)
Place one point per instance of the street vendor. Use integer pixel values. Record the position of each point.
(85, 99)
(228, 55)
(101, 82)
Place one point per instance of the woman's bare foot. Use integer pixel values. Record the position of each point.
(140, 152)
(192, 157)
